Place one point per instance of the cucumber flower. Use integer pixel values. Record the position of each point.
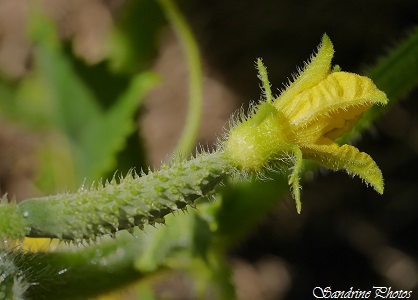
(319, 106)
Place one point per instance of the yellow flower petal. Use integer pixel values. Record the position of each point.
(347, 158)
(333, 106)
(38, 244)
(315, 71)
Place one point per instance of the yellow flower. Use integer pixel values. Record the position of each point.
(303, 122)
(39, 244)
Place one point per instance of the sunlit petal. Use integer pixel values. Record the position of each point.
(314, 71)
(333, 106)
(347, 158)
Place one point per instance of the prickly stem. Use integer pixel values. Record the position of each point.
(134, 201)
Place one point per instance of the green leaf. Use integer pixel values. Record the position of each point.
(240, 206)
(166, 243)
(103, 139)
(54, 97)
(77, 273)
(133, 41)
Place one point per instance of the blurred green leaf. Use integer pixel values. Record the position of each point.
(239, 208)
(53, 97)
(133, 42)
(101, 141)
(166, 242)
(78, 273)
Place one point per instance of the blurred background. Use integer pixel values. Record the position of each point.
(347, 235)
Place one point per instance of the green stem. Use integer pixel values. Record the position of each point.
(134, 201)
(191, 128)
